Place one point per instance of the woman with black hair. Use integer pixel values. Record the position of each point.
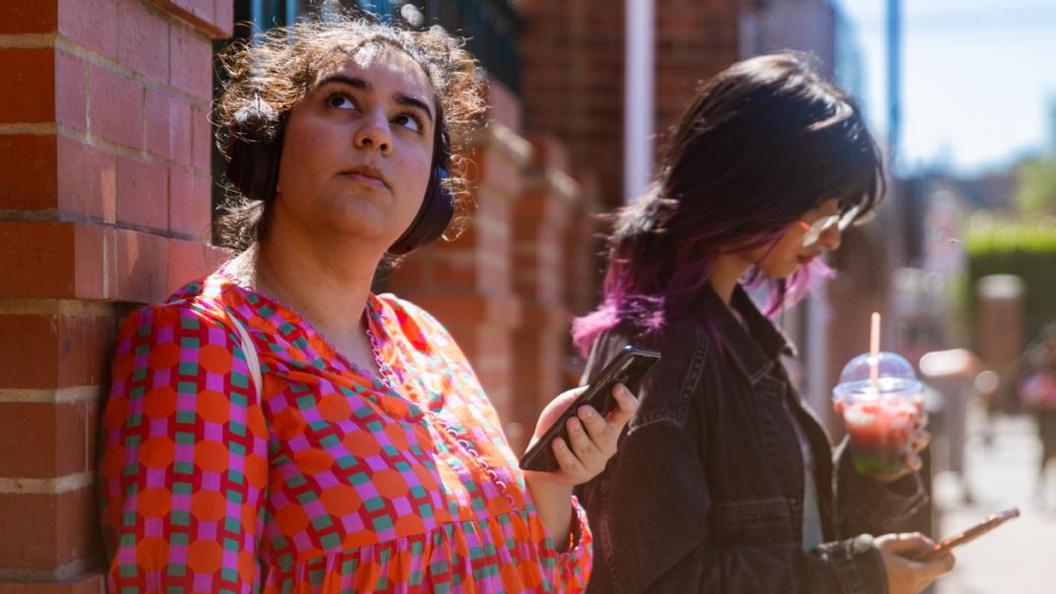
(727, 473)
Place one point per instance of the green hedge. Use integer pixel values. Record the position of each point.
(1025, 249)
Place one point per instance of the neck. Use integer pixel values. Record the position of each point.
(326, 281)
(729, 268)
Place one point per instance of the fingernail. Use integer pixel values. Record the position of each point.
(586, 412)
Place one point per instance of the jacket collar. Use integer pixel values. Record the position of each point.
(754, 346)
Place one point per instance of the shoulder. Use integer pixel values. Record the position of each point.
(199, 307)
(667, 391)
(417, 325)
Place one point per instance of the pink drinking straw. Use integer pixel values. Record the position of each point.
(874, 352)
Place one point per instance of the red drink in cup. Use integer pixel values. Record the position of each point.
(880, 409)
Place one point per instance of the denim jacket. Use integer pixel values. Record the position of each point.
(706, 491)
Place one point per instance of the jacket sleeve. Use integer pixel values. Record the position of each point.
(651, 512)
(864, 505)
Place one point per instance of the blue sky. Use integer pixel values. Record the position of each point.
(978, 80)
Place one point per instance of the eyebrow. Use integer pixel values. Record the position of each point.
(365, 86)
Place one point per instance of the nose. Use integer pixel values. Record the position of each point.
(374, 132)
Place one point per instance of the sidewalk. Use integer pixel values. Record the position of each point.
(1020, 557)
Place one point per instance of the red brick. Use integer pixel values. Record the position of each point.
(92, 409)
(115, 107)
(28, 171)
(142, 194)
(91, 583)
(191, 62)
(91, 23)
(201, 139)
(32, 72)
(503, 106)
(29, 17)
(471, 310)
(200, 9)
(158, 122)
(49, 439)
(29, 352)
(451, 273)
(189, 260)
(190, 205)
(71, 106)
(96, 256)
(87, 184)
(142, 265)
(53, 351)
(180, 133)
(411, 275)
(143, 39)
(43, 532)
(225, 15)
(36, 260)
(59, 260)
(549, 151)
(84, 342)
(120, 264)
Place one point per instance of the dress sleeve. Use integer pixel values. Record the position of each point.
(184, 457)
(572, 567)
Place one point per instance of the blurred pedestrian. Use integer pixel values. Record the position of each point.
(1037, 395)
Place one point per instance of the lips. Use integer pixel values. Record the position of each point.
(366, 175)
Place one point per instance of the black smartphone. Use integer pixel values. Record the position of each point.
(628, 367)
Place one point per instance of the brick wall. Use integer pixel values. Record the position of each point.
(695, 39)
(572, 52)
(573, 56)
(104, 203)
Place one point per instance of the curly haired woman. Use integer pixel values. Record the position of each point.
(277, 427)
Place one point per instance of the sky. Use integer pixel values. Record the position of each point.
(978, 79)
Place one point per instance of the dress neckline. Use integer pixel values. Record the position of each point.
(377, 332)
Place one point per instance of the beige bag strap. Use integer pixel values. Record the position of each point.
(250, 351)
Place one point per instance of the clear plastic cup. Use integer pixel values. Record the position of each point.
(881, 416)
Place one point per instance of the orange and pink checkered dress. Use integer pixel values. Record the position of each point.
(330, 481)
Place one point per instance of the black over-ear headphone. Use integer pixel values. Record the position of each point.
(254, 169)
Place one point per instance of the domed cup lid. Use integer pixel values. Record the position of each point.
(895, 378)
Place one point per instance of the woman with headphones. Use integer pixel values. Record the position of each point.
(276, 426)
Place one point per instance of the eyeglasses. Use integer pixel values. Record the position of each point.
(813, 232)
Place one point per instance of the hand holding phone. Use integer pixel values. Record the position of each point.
(627, 368)
(993, 521)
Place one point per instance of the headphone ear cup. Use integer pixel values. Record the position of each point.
(436, 212)
(256, 149)
(254, 167)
